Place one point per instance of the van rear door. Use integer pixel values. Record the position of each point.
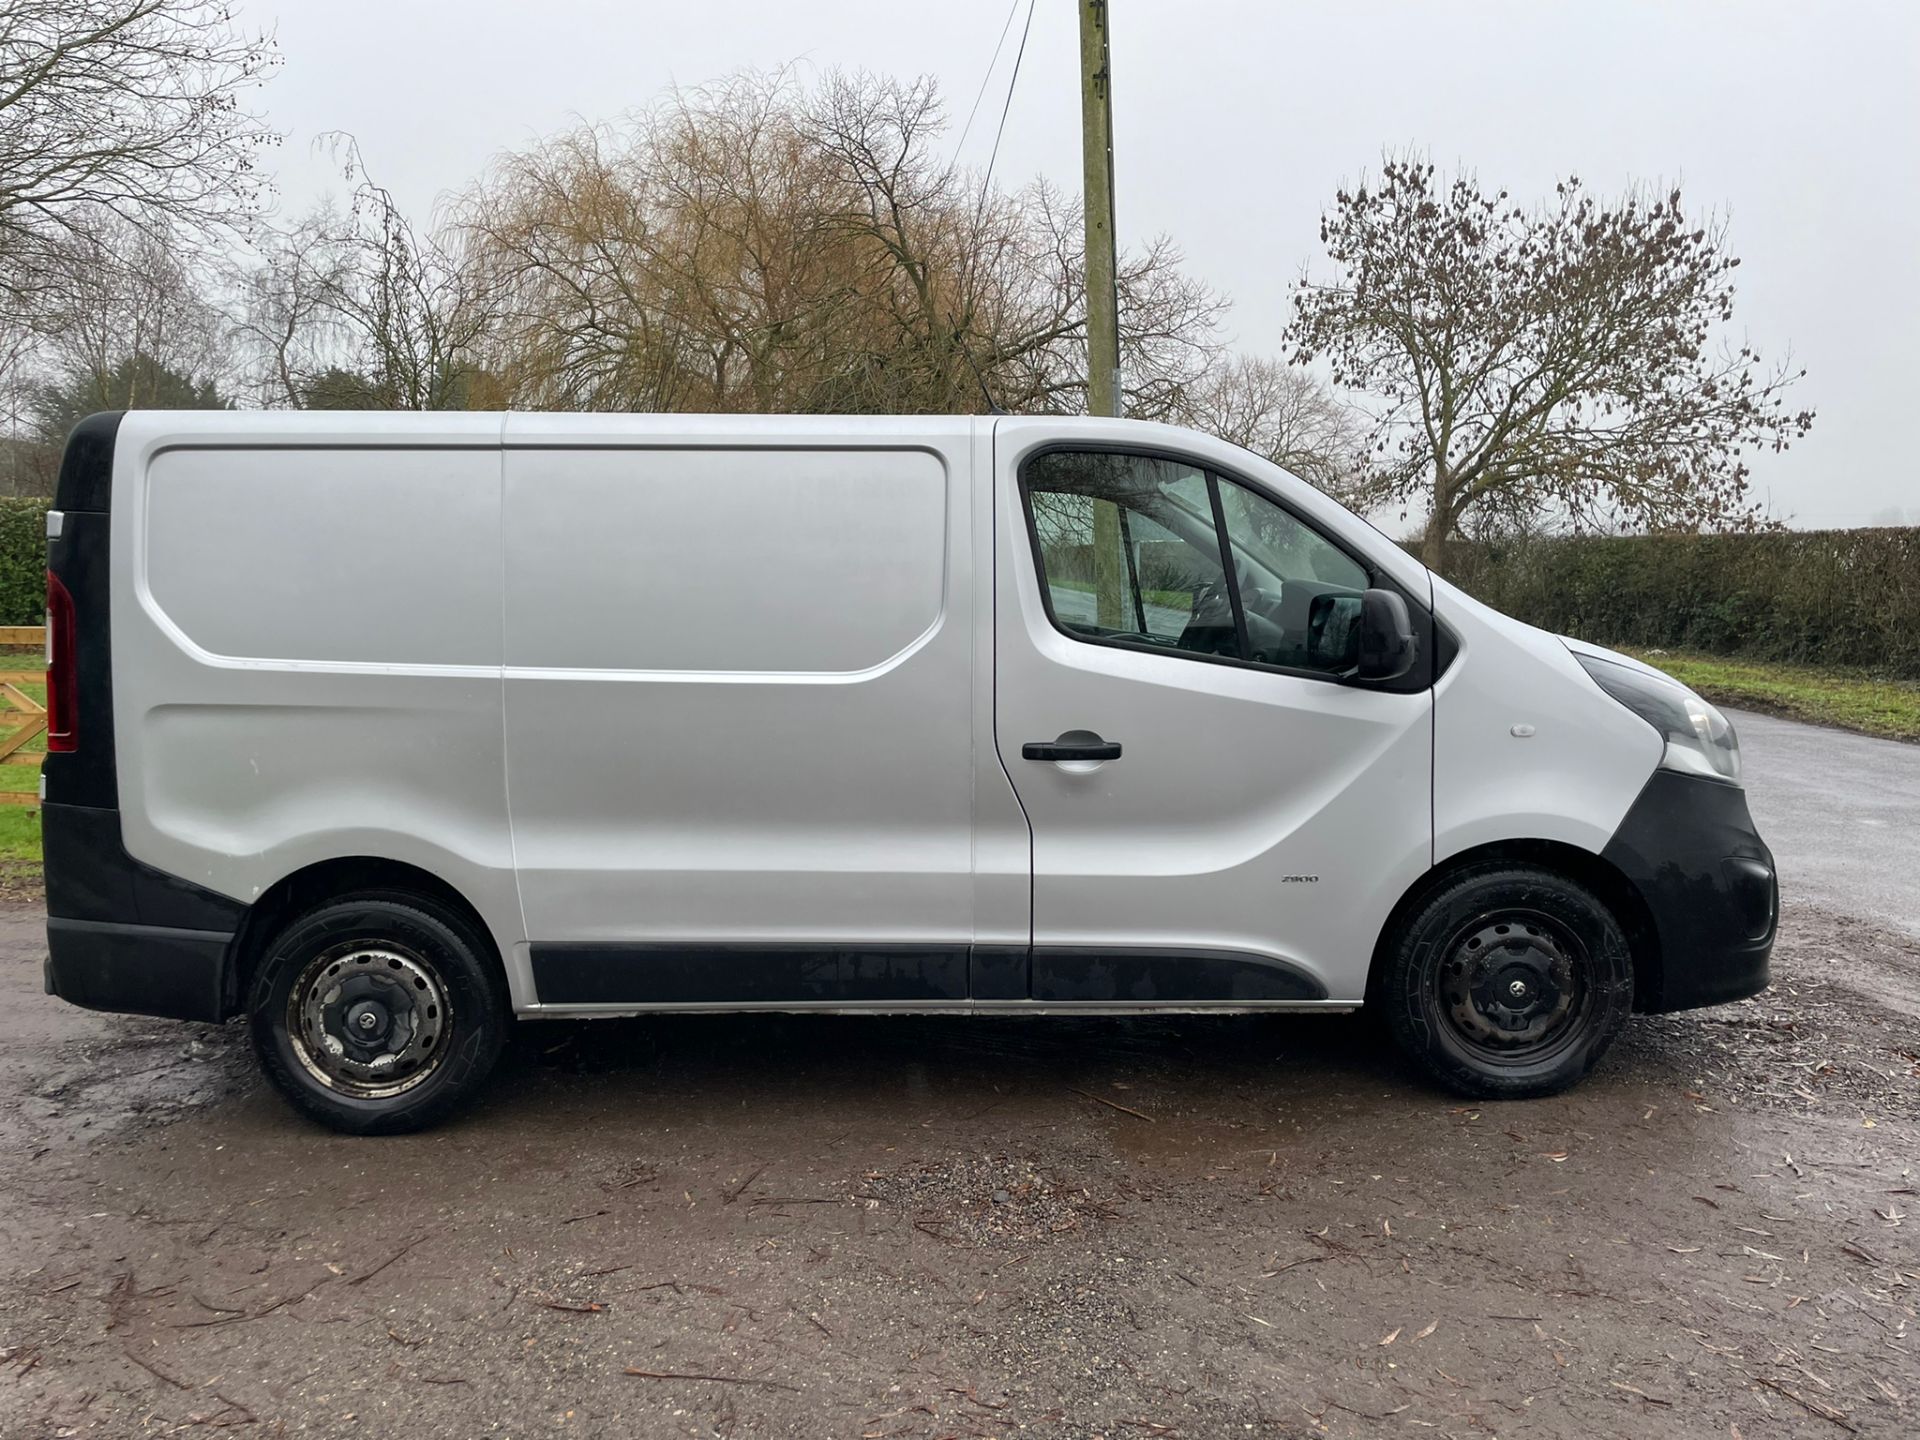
(1218, 817)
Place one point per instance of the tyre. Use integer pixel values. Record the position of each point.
(1507, 981)
(378, 1013)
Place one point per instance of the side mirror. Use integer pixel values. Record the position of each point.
(1387, 646)
(1366, 633)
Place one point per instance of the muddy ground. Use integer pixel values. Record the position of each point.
(885, 1227)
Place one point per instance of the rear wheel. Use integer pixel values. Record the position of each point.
(378, 1013)
(1508, 981)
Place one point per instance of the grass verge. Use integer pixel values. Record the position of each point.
(20, 872)
(19, 833)
(1845, 700)
(20, 824)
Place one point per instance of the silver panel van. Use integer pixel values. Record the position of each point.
(381, 730)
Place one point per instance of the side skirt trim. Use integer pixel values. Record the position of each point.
(735, 976)
(1034, 1008)
(1155, 978)
(633, 977)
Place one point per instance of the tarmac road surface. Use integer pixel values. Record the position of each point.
(1841, 813)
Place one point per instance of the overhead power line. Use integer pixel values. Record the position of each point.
(1012, 81)
(986, 79)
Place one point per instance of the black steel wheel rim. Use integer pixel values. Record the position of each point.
(1514, 987)
(369, 1019)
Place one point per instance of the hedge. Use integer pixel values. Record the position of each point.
(1846, 598)
(23, 561)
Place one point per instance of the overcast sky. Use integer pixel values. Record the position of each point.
(1235, 122)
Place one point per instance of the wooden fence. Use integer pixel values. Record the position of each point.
(30, 713)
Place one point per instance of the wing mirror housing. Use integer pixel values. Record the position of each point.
(1387, 645)
(1368, 635)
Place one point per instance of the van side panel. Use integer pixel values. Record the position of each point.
(739, 712)
(1526, 747)
(377, 557)
(306, 644)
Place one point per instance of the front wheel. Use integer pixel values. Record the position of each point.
(1508, 981)
(377, 1014)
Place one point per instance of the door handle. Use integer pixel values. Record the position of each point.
(1094, 749)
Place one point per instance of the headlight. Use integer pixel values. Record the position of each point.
(1700, 740)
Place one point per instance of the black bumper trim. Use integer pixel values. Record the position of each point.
(122, 935)
(90, 876)
(1689, 846)
(138, 969)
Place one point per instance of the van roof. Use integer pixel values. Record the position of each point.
(441, 427)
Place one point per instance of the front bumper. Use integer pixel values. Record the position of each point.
(1689, 846)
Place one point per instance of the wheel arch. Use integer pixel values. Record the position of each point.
(1599, 875)
(324, 880)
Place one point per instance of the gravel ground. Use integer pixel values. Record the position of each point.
(949, 1227)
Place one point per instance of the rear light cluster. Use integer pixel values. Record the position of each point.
(63, 691)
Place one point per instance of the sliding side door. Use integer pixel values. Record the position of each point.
(739, 711)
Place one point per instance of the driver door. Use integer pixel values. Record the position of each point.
(1263, 811)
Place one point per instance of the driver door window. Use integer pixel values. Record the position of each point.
(1300, 592)
(1130, 552)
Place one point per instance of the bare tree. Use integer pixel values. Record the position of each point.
(415, 308)
(122, 108)
(638, 274)
(126, 320)
(941, 310)
(25, 466)
(756, 245)
(361, 308)
(1563, 360)
(285, 318)
(1286, 414)
(129, 301)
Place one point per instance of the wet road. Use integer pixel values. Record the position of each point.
(1842, 815)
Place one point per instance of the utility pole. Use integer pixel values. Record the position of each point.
(1096, 150)
(1103, 302)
